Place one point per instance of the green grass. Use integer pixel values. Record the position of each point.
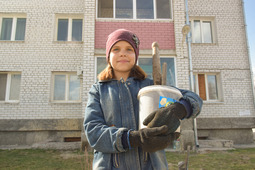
(44, 159)
(243, 159)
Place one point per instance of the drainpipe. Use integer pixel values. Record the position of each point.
(248, 49)
(191, 70)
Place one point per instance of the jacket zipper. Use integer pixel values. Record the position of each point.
(133, 119)
(131, 104)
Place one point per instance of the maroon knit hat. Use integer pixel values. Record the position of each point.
(122, 35)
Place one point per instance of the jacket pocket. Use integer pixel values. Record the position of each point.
(116, 160)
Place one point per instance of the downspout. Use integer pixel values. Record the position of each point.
(248, 50)
(191, 69)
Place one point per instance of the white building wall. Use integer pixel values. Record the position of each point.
(37, 57)
(227, 56)
(182, 60)
(89, 48)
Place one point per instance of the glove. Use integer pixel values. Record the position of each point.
(150, 139)
(169, 116)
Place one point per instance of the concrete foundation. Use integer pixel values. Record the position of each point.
(239, 130)
(28, 132)
(187, 137)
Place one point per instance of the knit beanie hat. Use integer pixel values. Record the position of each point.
(122, 35)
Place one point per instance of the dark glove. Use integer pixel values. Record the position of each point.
(150, 139)
(169, 116)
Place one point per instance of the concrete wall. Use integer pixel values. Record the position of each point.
(28, 132)
(239, 130)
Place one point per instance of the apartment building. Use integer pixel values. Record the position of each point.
(51, 52)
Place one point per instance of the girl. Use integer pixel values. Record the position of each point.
(111, 116)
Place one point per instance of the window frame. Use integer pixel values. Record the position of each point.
(14, 17)
(67, 81)
(96, 66)
(141, 57)
(70, 19)
(202, 20)
(135, 12)
(163, 57)
(218, 86)
(8, 87)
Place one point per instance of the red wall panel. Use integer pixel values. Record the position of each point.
(148, 32)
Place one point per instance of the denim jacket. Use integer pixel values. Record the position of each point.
(113, 108)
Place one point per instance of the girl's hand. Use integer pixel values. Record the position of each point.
(169, 116)
(150, 139)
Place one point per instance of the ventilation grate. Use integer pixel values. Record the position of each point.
(72, 139)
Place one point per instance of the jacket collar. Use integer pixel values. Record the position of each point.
(105, 81)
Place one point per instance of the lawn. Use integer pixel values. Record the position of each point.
(239, 159)
(243, 159)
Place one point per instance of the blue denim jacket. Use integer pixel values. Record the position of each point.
(113, 108)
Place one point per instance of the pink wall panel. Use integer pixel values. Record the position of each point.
(148, 32)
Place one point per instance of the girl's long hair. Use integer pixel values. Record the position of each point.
(108, 73)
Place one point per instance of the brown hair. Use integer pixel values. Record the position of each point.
(108, 74)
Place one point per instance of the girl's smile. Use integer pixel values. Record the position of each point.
(123, 61)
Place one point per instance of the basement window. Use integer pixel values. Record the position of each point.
(72, 139)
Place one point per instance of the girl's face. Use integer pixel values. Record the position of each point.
(122, 58)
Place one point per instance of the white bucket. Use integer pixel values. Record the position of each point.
(153, 97)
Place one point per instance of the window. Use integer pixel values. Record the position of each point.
(134, 9)
(146, 65)
(101, 64)
(202, 31)
(207, 86)
(9, 86)
(69, 28)
(66, 87)
(12, 28)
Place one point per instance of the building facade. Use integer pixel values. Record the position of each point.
(51, 52)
